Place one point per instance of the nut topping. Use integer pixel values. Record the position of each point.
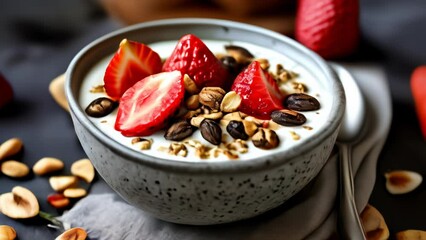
(211, 131)
(179, 131)
(265, 139)
(20, 203)
(83, 168)
(212, 97)
(411, 234)
(75, 192)
(10, 148)
(236, 130)
(240, 54)
(73, 234)
(374, 224)
(301, 102)
(14, 169)
(60, 183)
(402, 181)
(230, 102)
(190, 85)
(101, 107)
(288, 117)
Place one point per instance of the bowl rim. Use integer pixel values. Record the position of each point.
(215, 167)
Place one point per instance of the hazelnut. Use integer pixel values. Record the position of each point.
(47, 165)
(10, 148)
(402, 181)
(7, 232)
(20, 203)
(411, 235)
(14, 169)
(60, 183)
(73, 234)
(211, 97)
(374, 224)
(83, 168)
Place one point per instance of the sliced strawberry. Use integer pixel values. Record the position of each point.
(259, 92)
(191, 56)
(146, 106)
(132, 62)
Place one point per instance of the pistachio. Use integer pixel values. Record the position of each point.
(179, 131)
(14, 169)
(287, 117)
(374, 224)
(7, 232)
(211, 131)
(265, 139)
(57, 90)
(402, 181)
(301, 102)
(211, 97)
(240, 54)
(10, 148)
(47, 165)
(230, 102)
(101, 107)
(60, 183)
(193, 102)
(83, 168)
(411, 234)
(190, 85)
(20, 203)
(58, 200)
(74, 192)
(236, 130)
(73, 234)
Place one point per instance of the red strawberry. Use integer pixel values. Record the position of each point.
(6, 91)
(259, 92)
(146, 106)
(328, 27)
(132, 62)
(418, 90)
(191, 56)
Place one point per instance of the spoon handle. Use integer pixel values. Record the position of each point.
(349, 224)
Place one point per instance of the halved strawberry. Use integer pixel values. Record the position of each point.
(132, 62)
(146, 106)
(259, 92)
(191, 56)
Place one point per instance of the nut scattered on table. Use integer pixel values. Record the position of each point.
(47, 165)
(374, 224)
(57, 90)
(83, 168)
(60, 183)
(14, 169)
(411, 234)
(20, 203)
(402, 181)
(73, 234)
(10, 148)
(7, 232)
(75, 192)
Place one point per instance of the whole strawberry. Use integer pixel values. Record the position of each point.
(328, 27)
(6, 91)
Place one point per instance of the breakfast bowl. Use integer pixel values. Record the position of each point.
(226, 186)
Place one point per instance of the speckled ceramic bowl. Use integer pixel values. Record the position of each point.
(204, 192)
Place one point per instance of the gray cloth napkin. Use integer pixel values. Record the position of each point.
(311, 214)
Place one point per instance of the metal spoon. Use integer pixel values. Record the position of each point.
(349, 224)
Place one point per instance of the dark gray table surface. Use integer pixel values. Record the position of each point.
(38, 41)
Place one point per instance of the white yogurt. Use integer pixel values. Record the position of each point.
(315, 119)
